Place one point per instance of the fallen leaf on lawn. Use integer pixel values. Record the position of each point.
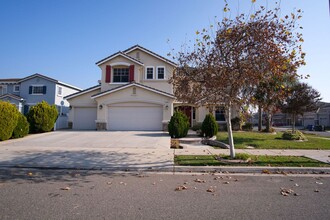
(65, 188)
(199, 181)
(180, 188)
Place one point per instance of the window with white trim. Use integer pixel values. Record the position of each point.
(59, 91)
(149, 72)
(3, 89)
(120, 75)
(160, 72)
(16, 88)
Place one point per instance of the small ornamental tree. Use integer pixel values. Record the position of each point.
(22, 127)
(302, 98)
(209, 126)
(8, 120)
(42, 117)
(179, 125)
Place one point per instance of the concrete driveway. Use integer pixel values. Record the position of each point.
(89, 150)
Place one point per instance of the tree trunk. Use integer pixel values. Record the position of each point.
(268, 122)
(230, 132)
(293, 123)
(259, 118)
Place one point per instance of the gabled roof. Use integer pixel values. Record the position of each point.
(12, 96)
(119, 54)
(49, 79)
(130, 85)
(83, 92)
(150, 53)
(125, 54)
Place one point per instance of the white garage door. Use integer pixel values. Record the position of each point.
(135, 118)
(84, 118)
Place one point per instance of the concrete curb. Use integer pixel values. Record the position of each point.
(191, 169)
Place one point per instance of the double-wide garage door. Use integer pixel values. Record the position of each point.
(135, 118)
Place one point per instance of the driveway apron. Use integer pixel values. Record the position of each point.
(89, 150)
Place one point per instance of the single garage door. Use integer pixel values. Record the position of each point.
(135, 118)
(84, 118)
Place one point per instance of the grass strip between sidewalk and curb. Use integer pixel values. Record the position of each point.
(247, 160)
(260, 140)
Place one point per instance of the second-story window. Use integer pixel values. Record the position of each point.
(160, 72)
(3, 89)
(16, 88)
(59, 91)
(120, 75)
(37, 90)
(149, 72)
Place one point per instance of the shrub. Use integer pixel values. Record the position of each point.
(247, 127)
(42, 117)
(209, 126)
(236, 124)
(319, 128)
(22, 127)
(197, 126)
(8, 119)
(179, 125)
(288, 135)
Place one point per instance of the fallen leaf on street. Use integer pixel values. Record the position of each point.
(30, 174)
(226, 182)
(180, 188)
(199, 181)
(316, 190)
(210, 190)
(65, 188)
(109, 183)
(319, 183)
(286, 192)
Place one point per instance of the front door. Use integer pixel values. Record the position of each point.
(187, 111)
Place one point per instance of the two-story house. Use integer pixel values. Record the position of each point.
(35, 88)
(134, 94)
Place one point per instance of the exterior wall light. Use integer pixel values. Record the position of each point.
(100, 107)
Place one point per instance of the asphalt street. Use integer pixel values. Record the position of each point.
(65, 194)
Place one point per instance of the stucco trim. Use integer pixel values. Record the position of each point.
(130, 85)
(83, 92)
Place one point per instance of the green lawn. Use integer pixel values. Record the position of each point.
(262, 160)
(261, 140)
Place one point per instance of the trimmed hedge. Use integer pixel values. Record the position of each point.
(247, 127)
(22, 127)
(209, 126)
(179, 125)
(42, 117)
(288, 135)
(8, 120)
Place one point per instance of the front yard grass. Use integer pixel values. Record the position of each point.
(261, 140)
(253, 160)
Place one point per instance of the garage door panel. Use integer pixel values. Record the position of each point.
(135, 118)
(84, 118)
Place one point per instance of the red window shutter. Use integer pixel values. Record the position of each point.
(131, 73)
(108, 74)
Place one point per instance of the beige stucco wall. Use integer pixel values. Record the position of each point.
(139, 71)
(83, 100)
(126, 96)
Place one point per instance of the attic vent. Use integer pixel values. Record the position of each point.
(138, 55)
(134, 91)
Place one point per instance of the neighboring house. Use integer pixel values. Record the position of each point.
(319, 117)
(133, 94)
(33, 89)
